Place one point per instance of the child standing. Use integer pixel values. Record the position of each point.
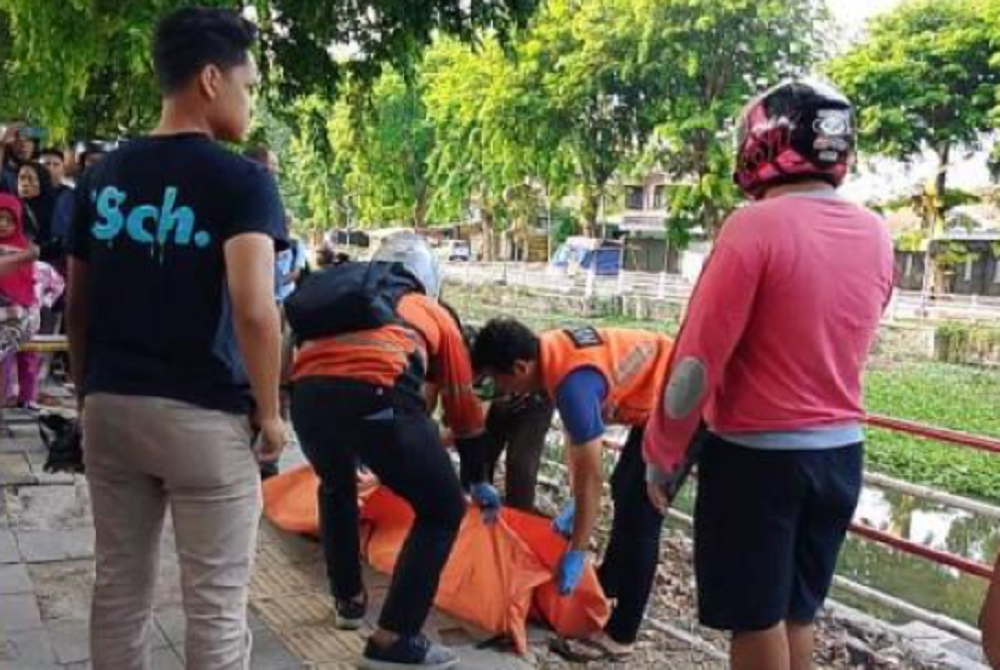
(25, 367)
(18, 303)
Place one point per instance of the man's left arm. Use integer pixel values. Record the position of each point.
(717, 317)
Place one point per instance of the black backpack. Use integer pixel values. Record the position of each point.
(347, 298)
(64, 441)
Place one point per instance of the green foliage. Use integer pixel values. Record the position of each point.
(577, 98)
(8, 108)
(382, 145)
(955, 197)
(704, 86)
(967, 343)
(564, 226)
(84, 66)
(602, 94)
(951, 396)
(923, 78)
(491, 138)
(949, 255)
(313, 189)
(912, 241)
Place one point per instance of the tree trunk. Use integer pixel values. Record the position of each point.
(420, 210)
(590, 209)
(944, 154)
(933, 215)
(486, 220)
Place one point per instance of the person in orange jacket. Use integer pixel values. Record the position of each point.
(595, 377)
(359, 397)
(989, 620)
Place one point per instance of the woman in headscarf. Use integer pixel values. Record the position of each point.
(18, 315)
(34, 187)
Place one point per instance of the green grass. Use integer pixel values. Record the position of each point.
(941, 394)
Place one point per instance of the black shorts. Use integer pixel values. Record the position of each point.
(768, 528)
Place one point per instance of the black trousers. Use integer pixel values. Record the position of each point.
(519, 427)
(343, 422)
(629, 567)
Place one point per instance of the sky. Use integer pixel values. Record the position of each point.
(853, 13)
(882, 177)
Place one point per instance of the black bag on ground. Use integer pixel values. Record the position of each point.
(64, 441)
(347, 298)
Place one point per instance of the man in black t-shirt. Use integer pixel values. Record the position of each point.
(174, 338)
(53, 159)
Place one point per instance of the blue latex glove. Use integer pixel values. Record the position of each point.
(563, 523)
(571, 571)
(488, 500)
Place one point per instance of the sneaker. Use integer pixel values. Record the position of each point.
(351, 613)
(414, 651)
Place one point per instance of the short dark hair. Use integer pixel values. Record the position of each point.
(501, 344)
(52, 151)
(193, 37)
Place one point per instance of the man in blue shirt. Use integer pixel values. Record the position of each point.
(594, 377)
(175, 345)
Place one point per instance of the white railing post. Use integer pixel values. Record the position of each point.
(588, 288)
(661, 290)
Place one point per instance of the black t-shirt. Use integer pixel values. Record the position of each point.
(8, 178)
(151, 221)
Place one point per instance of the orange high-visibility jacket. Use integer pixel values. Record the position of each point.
(633, 362)
(428, 346)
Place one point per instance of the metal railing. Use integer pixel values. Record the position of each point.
(925, 432)
(664, 287)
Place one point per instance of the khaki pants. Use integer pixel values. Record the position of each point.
(143, 454)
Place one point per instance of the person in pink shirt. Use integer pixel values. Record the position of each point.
(764, 385)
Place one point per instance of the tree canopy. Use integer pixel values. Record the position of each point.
(712, 56)
(393, 111)
(925, 78)
(382, 145)
(84, 67)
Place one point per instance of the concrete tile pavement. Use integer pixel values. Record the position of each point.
(46, 575)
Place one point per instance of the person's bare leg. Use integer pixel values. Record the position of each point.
(760, 650)
(801, 640)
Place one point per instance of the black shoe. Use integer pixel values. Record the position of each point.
(414, 651)
(351, 613)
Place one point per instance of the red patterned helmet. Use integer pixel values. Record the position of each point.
(797, 131)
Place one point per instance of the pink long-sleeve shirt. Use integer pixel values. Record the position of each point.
(781, 322)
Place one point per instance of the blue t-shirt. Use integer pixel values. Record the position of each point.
(580, 401)
(151, 221)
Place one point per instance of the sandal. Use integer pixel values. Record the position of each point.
(588, 650)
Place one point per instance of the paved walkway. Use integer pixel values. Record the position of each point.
(47, 572)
